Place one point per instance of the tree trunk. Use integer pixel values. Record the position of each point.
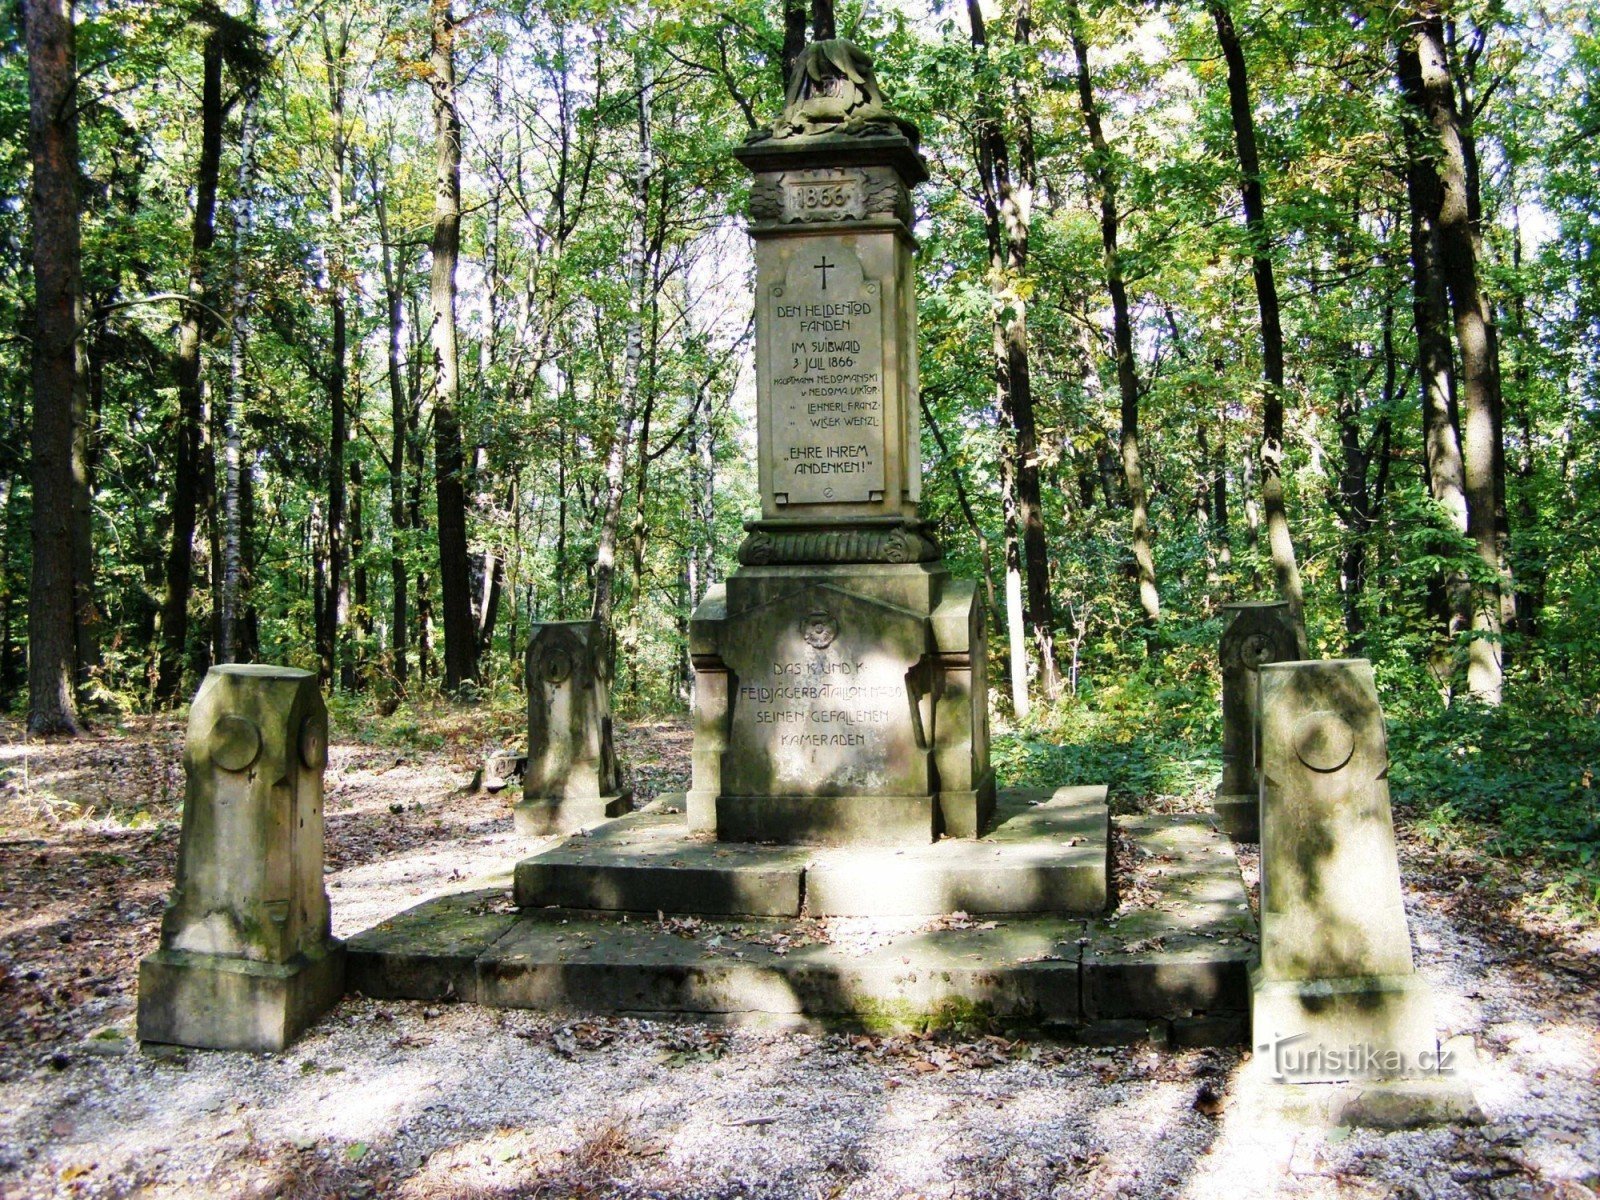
(1103, 172)
(1444, 469)
(192, 331)
(334, 622)
(1431, 92)
(232, 592)
(1285, 568)
(822, 24)
(460, 634)
(58, 361)
(794, 37)
(400, 404)
(605, 567)
(1008, 218)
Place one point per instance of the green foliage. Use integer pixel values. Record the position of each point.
(552, 155)
(1153, 737)
(1517, 780)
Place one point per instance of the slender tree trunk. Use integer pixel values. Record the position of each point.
(1532, 573)
(232, 592)
(1008, 218)
(605, 567)
(794, 37)
(415, 520)
(58, 361)
(333, 628)
(1444, 469)
(460, 634)
(192, 330)
(353, 672)
(822, 24)
(1103, 172)
(400, 403)
(9, 649)
(1432, 93)
(1285, 567)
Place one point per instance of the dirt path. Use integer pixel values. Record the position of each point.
(399, 1099)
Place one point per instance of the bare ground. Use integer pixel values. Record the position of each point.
(407, 1100)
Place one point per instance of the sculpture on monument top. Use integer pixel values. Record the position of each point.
(833, 92)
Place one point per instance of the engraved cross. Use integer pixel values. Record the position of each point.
(825, 266)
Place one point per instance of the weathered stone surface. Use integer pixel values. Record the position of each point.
(223, 1002)
(430, 952)
(1084, 978)
(919, 980)
(840, 704)
(831, 94)
(1330, 879)
(1044, 855)
(1047, 854)
(838, 700)
(869, 540)
(246, 960)
(572, 778)
(836, 372)
(649, 863)
(1258, 632)
(1336, 967)
(1186, 957)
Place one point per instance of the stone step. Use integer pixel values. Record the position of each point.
(1048, 853)
(1172, 969)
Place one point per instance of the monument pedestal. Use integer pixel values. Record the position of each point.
(1336, 996)
(840, 691)
(841, 703)
(227, 1003)
(246, 959)
(572, 778)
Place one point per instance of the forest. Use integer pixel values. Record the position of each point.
(361, 336)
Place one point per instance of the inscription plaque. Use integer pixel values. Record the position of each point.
(821, 703)
(826, 410)
(823, 196)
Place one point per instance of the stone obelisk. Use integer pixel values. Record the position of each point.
(840, 677)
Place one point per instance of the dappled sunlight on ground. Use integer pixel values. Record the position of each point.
(432, 1101)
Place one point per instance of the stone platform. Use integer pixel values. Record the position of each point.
(1168, 964)
(1047, 853)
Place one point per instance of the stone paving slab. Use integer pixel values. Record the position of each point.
(1171, 971)
(604, 965)
(1048, 853)
(650, 862)
(430, 952)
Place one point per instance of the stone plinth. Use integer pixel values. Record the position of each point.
(1047, 854)
(840, 690)
(572, 778)
(1172, 972)
(1258, 632)
(1336, 972)
(246, 961)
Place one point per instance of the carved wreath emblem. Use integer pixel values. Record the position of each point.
(819, 629)
(1256, 650)
(556, 665)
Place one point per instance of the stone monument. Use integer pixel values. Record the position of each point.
(572, 777)
(1258, 632)
(246, 961)
(840, 681)
(1336, 976)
